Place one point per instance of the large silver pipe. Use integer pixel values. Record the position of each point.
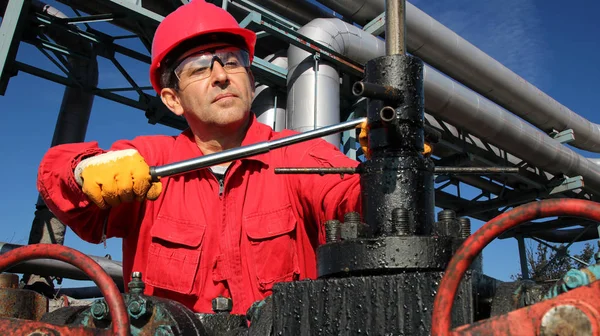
(444, 98)
(447, 51)
(359, 11)
(464, 108)
(300, 12)
(269, 104)
(313, 85)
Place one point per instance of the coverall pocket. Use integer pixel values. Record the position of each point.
(273, 247)
(174, 254)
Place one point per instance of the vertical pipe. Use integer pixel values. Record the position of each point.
(395, 27)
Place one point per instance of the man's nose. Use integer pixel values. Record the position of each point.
(218, 73)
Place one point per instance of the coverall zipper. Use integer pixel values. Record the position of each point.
(221, 186)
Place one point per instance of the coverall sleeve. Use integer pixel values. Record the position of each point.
(327, 196)
(63, 196)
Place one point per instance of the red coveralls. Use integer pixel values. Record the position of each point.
(200, 240)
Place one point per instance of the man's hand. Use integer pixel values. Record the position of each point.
(363, 139)
(112, 178)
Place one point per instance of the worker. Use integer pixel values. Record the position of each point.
(232, 230)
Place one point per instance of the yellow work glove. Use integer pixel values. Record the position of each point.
(363, 139)
(114, 177)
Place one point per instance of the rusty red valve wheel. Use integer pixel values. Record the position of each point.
(116, 305)
(472, 247)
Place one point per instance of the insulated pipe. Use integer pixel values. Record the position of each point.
(444, 98)
(313, 85)
(445, 50)
(463, 108)
(359, 11)
(300, 12)
(269, 104)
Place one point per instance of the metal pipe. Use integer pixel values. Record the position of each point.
(246, 151)
(454, 103)
(342, 38)
(445, 50)
(48, 267)
(566, 235)
(436, 170)
(300, 12)
(376, 91)
(110, 292)
(465, 109)
(81, 293)
(269, 103)
(395, 27)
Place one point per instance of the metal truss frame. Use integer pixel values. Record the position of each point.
(495, 194)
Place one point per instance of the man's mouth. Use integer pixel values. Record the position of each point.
(223, 96)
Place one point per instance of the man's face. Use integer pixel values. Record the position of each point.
(215, 86)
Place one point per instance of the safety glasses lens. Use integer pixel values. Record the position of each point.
(199, 66)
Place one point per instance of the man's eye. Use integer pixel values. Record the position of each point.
(199, 70)
(233, 63)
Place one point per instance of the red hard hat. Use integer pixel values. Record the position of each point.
(188, 21)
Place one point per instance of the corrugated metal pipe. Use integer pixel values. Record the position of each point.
(447, 51)
(444, 98)
(313, 84)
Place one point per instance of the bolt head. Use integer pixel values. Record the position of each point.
(222, 304)
(138, 307)
(99, 309)
(163, 330)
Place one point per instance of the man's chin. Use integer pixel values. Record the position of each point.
(234, 120)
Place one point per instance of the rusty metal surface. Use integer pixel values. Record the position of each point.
(149, 315)
(9, 280)
(118, 312)
(22, 303)
(34, 328)
(473, 246)
(576, 313)
(565, 320)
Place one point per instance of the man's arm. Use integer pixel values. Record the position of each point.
(63, 195)
(329, 196)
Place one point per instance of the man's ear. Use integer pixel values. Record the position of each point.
(170, 98)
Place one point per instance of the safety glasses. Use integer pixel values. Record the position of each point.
(199, 66)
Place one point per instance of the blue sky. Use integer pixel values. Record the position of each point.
(552, 44)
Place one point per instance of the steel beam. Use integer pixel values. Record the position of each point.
(11, 29)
